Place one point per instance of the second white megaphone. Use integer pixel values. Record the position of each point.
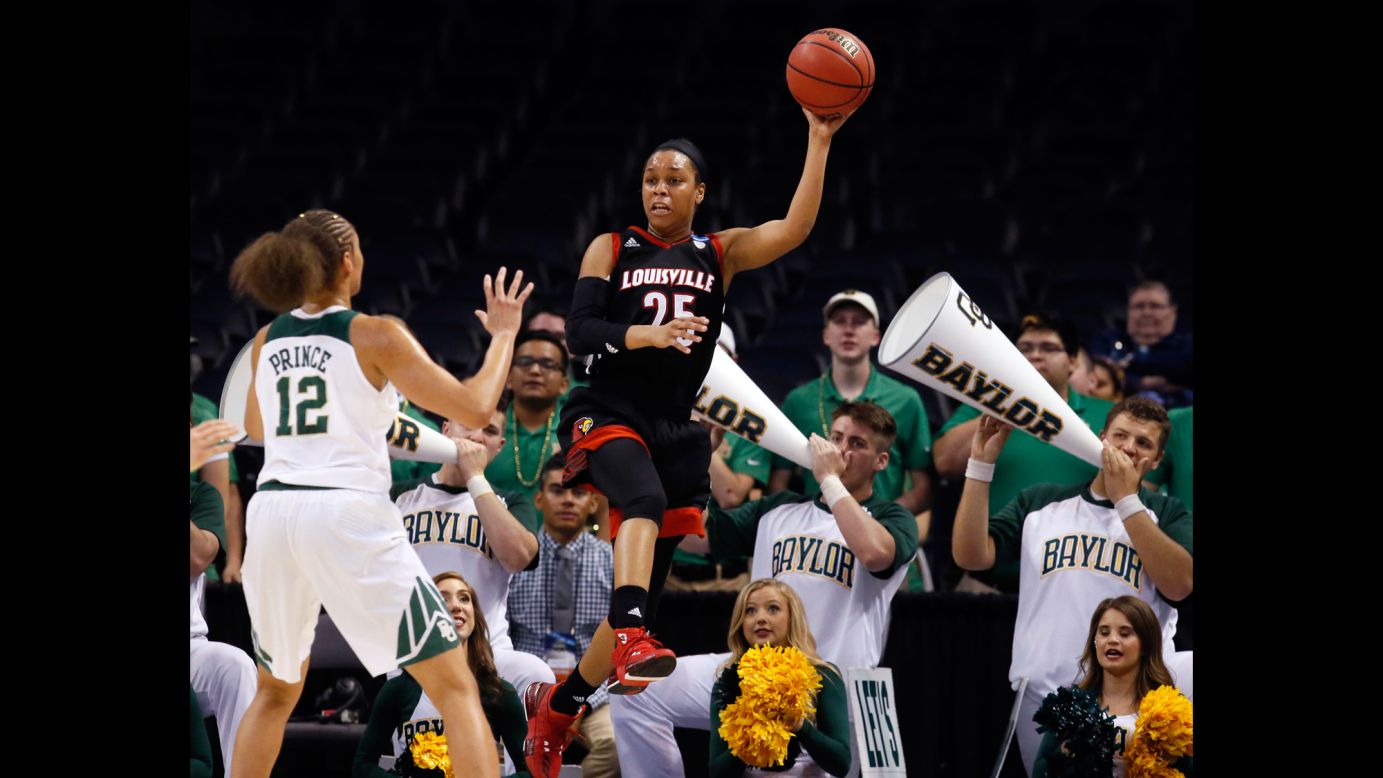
(943, 340)
(732, 400)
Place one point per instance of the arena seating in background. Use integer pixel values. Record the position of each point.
(1040, 152)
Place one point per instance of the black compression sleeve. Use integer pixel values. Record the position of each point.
(587, 330)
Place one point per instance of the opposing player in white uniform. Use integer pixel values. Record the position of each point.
(223, 677)
(488, 539)
(845, 553)
(321, 529)
(1079, 544)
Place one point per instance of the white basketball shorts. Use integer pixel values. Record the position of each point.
(345, 550)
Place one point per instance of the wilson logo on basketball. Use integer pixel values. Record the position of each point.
(850, 46)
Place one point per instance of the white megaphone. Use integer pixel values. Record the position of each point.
(941, 339)
(407, 439)
(731, 399)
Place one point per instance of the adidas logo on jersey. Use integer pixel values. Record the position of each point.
(635, 612)
(631, 243)
(698, 244)
(611, 349)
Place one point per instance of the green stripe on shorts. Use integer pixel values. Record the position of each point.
(426, 628)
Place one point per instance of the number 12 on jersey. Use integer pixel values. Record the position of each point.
(312, 385)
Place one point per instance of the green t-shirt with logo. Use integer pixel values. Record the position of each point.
(809, 408)
(748, 458)
(1027, 461)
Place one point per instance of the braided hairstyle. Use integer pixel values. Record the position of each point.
(281, 269)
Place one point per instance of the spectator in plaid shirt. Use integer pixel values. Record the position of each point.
(555, 609)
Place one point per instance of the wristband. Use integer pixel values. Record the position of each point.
(976, 470)
(1129, 506)
(478, 486)
(833, 491)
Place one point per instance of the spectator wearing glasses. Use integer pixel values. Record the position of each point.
(1050, 345)
(554, 320)
(538, 380)
(1157, 360)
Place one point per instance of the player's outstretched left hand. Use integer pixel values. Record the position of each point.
(826, 458)
(1121, 474)
(503, 309)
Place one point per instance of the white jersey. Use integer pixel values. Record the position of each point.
(798, 542)
(199, 628)
(324, 423)
(442, 524)
(1076, 552)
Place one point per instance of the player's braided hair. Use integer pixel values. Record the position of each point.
(280, 269)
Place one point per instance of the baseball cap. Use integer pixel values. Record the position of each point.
(727, 338)
(862, 299)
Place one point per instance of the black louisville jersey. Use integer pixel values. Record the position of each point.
(651, 283)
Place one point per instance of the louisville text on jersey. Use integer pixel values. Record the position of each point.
(1023, 412)
(728, 413)
(816, 556)
(667, 276)
(453, 529)
(299, 356)
(1081, 551)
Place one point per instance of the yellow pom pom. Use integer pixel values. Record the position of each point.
(1161, 736)
(429, 751)
(777, 685)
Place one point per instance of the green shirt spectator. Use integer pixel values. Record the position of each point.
(1050, 345)
(538, 381)
(809, 408)
(1176, 471)
(852, 328)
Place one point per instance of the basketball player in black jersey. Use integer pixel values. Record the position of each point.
(647, 310)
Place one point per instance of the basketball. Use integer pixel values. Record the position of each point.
(830, 72)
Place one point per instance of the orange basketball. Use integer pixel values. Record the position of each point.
(830, 72)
